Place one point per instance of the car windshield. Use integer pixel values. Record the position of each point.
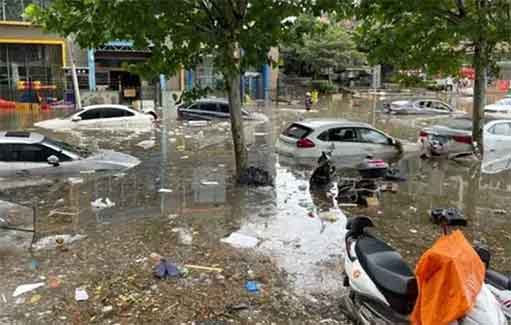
(71, 114)
(80, 151)
(297, 131)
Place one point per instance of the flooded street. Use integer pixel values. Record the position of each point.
(183, 185)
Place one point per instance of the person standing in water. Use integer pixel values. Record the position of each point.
(308, 101)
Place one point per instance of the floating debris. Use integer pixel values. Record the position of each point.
(146, 144)
(81, 294)
(240, 241)
(102, 203)
(26, 288)
(52, 242)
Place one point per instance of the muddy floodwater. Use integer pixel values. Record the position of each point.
(185, 180)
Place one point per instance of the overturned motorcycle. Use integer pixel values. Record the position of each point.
(450, 275)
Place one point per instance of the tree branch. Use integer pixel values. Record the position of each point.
(237, 13)
(461, 8)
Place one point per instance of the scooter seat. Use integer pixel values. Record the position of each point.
(389, 272)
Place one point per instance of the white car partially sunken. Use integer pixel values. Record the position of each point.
(102, 116)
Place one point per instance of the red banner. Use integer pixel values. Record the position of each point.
(503, 85)
(469, 73)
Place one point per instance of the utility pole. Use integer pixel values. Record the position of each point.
(3, 10)
(78, 100)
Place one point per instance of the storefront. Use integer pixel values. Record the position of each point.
(31, 62)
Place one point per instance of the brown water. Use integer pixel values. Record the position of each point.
(196, 163)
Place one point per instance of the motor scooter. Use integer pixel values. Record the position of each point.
(499, 284)
(382, 289)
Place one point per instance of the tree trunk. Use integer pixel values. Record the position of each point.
(480, 66)
(238, 137)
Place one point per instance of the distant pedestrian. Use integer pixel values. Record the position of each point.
(308, 101)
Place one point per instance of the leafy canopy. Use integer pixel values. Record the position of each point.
(322, 43)
(437, 35)
(179, 32)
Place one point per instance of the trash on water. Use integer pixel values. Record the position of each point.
(53, 282)
(4, 299)
(240, 241)
(413, 231)
(165, 190)
(35, 299)
(146, 144)
(389, 187)
(197, 123)
(184, 235)
(254, 176)
(204, 268)
(34, 264)
(75, 180)
(499, 211)
(252, 286)
(165, 269)
(413, 209)
(26, 288)
(59, 202)
(155, 257)
(51, 242)
(328, 216)
(208, 183)
(372, 201)
(347, 205)
(102, 203)
(107, 309)
(81, 294)
(237, 307)
(393, 174)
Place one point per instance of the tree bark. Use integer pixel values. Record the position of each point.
(238, 137)
(480, 66)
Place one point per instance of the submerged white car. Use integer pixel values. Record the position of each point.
(32, 154)
(347, 140)
(454, 136)
(102, 116)
(500, 106)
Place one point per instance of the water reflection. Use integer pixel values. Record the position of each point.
(194, 165)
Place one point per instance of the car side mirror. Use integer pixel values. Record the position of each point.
(392, 142)
(76, 119)
(54, 161)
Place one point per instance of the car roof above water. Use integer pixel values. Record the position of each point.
(20, 137)
(86, 108)
(320, 123)
(212, 100)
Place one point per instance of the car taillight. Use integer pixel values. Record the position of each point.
(463, 139)
(305, 143)
(423, 134)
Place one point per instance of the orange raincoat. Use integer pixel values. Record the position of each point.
(449, 275)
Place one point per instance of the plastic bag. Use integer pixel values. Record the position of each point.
(450, 276)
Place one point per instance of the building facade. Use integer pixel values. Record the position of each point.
(39, 64)
(29, 58)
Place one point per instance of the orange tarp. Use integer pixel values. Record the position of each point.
(450, 275)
